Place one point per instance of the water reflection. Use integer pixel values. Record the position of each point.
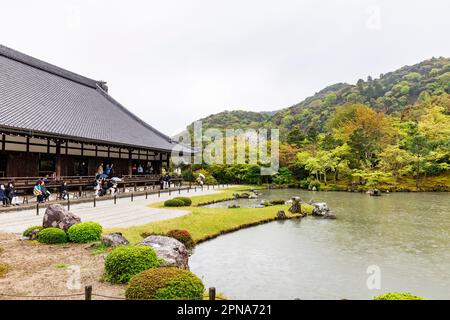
(406, 235)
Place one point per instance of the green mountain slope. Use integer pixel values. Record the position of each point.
(391, 93)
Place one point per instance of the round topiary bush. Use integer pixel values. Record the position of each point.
(398, 296)
(173, 203)
(52, 236)
(126, 261)
(85, 232)
(187, 201)
(165, 284)
(183, 236)
(28, 231)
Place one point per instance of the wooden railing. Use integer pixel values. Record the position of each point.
(25, 185)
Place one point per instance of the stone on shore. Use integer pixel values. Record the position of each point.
(281, 214)
(170, 250)
(57, 217)
(114, 239)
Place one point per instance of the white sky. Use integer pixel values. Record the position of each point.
(172, 62)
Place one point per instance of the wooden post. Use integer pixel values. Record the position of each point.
(169, 191)
(212, 293)
(88, 293)
(68, 202)
(115, 199)
(146, 194)
(95, 204)
(179, 190)
(159, 193)
(132, 196)
(37, 208)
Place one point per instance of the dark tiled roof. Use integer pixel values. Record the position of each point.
(39, 97)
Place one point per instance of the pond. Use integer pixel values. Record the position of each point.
(404, 236)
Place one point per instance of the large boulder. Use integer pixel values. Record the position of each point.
(58, 217)
(170, 250)
(114, 239)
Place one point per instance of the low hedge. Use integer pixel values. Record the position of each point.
(28, 231)
(174, 203)
(126, 261)
(85, 232)
(398, 296)
(166, 283)
(52, 236)
(183, 236)
(187, 201)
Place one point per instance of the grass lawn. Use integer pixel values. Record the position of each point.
(204, 223)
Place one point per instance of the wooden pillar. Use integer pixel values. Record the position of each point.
(130, 162)
(58, 160)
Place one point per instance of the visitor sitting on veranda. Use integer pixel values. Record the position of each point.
(12, 195)
(41, 192)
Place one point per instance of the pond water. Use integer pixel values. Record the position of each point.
(406, 236)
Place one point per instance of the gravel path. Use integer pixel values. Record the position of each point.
(124, 214)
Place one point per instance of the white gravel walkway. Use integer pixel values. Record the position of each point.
(123, 214)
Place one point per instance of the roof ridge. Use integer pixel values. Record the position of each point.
(145, 124)
(45, 66)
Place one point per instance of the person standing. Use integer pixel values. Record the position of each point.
(3, 198)
(63, 191)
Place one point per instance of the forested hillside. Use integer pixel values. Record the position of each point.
(392, 132)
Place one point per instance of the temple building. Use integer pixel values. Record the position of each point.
(56, 122)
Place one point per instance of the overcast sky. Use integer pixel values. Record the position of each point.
(172, 62)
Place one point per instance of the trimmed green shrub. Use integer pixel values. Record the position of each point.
(187, 201)
(28, 231)
(52, 236)
(126, 261)
(277, 202)
(165, 284)
(398, 296)
(4, 268)
(174, 203)
(146, 234)
(183, 236)
(85, 232)
(210, 180)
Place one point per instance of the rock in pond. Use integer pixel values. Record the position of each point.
(322, 210)
(374, 192)
(57, 217)
(114, 239)
(172, 251)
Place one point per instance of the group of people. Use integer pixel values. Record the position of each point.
(104, 173)
(164, 181)
(138, 169)
(40, 191)
(102, 187)
(8, 195)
